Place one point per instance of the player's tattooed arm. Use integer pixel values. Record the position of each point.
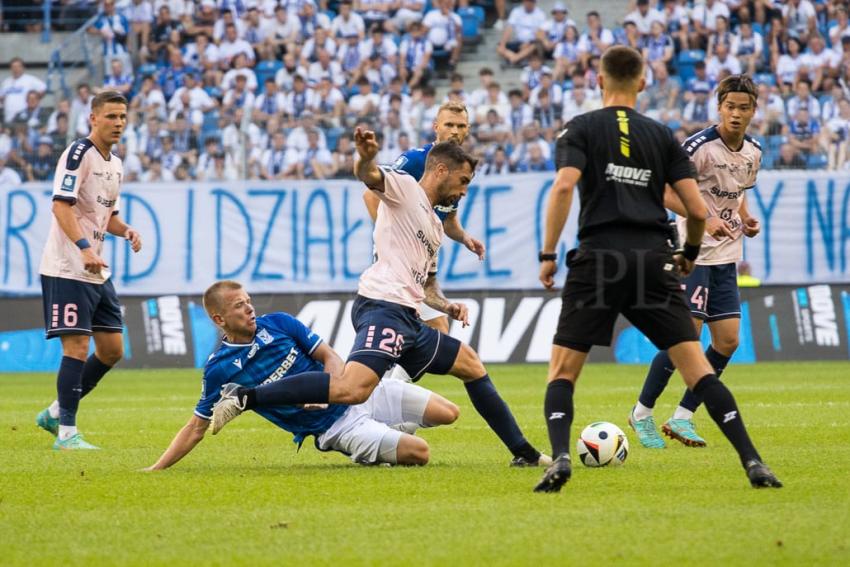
(365, 167)
(435, 299)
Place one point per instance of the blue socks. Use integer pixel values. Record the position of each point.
(93, 371)
(304, 388)
(69, 389)
(490, 405)
(657, 378)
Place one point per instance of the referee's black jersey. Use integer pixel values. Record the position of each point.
(625, 159)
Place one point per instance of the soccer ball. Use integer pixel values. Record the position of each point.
(602, 444)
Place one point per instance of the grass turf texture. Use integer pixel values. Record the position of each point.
(246, 497)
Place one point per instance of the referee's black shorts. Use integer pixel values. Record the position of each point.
(643, 285)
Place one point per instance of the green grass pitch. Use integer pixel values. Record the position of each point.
(247, 498)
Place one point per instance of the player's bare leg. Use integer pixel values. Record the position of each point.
(490, 405)
(564, 369)
(700, 378)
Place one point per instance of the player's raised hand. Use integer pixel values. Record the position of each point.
(751, 227)
(135, 239)
(475, 246)
(92, 261)
(458, 312)
(548, 268)
(718, 228)
(366, 143)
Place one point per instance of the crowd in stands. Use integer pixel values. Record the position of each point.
(234, 89)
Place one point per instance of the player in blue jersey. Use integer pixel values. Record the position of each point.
(450, 125)
(260, 350)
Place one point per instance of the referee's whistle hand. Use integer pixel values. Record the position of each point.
(547, 273)
(684, 265)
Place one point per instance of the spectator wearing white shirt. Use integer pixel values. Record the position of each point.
(374, 11)
(493, 129)
(704, 21)
(800, 18)
(238, 95)
(520, 114)
(278, 161)
(149, 101)
(658, 46)
(497, 163)
(553, 29)
(299, 100)
(567, 54)
(8, 176)
(414, 63)
(445, 30)
(270, 103)
(643, 16)
(595, 39)
(310, 20)
(329, 103)
(117, 79)
(479, 95)
(365, 102)
(325, 65)
(409, 11)
(822, 64)
(720, 61)
(155, 173)
(225, 20)
(347, 22)
(315, 162)
(350, 59)
(803, 99)
(748, 47)
(530, 137)
(841, 28)
(788, 65)
(201, 54)
(553, 89)
(140, 16)
(519, 37)
(836, 136)
(310, 49)
(240, 69)
(285, 76)
(298, 138)
(282, 30)
(14, 89)
(699, 112)
(81, 109)
(233, 46)
(577, 101)
(395, 90)
(532, 73)
(495, 100)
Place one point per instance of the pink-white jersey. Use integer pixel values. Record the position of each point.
(407, 239)
(91, 183)
(722, 175)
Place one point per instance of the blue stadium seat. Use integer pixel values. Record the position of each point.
(767, 78)
(816, 161)
(264, 70)
(471, 30)
(686, 61)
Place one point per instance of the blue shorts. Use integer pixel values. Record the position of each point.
(712, 292)
(72, 307)
(388, 333)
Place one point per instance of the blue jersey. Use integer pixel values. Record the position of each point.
(412, 162)
(281, 347)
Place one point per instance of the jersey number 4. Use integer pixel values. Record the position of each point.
(699, 299)
(391, 343)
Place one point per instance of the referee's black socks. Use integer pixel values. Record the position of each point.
(723, 410)
(558, 410)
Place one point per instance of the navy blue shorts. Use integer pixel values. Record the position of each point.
(712, 292)
(388, 333)
(72, 307)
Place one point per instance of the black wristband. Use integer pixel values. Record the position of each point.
(544, 257)
(691, 251)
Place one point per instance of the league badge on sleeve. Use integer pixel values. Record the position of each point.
(69, 182)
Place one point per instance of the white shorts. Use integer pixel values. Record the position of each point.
(365, 431)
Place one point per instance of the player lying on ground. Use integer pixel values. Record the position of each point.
(624, 262)
(727, 162)
(388, 330)
(270, 348)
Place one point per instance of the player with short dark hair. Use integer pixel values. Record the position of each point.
(388, 330)
(270, 348)
(77, 292)
(727, 163)
(621, 161)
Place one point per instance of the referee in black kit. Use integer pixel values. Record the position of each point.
(624, 262)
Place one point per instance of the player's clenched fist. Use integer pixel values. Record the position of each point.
(366, 143)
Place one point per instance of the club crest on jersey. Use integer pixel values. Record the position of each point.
(264, 336)
(69, 182)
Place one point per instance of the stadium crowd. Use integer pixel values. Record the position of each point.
(234, 89)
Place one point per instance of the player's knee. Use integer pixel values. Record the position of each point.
(415, 451)
(112, 356)
(449, 413)
(76, 346)
(726, 345)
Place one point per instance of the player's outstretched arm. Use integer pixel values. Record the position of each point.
(365, 167)
(453, 229)
(185, 440)
(118, 227)
(329, 359)
(557, 211)
(435, 299)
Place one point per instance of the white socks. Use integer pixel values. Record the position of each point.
(67, 431)
(682, 413)
(641, 412)
(53, 410)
